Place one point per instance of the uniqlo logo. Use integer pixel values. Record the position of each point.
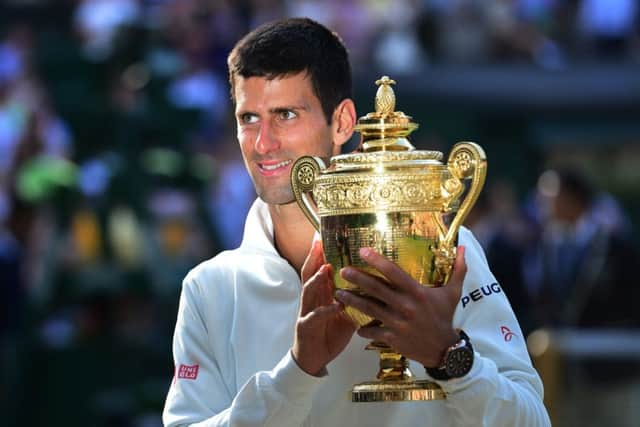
(188, 372)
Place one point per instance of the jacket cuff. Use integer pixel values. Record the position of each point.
(291, 381)
(456, 385)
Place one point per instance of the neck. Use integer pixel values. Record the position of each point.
(292, 233)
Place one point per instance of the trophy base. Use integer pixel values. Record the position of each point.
(397, 391)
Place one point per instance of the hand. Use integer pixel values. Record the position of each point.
(323, 329)
(416, 320)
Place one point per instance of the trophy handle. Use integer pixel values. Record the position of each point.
(303, 176)
(466, 160)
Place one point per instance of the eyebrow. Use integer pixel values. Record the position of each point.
(276, 110)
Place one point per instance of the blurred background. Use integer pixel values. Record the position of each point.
(119, 171)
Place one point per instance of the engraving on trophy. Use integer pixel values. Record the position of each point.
(344, 194)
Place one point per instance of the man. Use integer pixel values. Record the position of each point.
(255, 345)
(581, 272)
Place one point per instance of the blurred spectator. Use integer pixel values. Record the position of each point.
(459, 31)
(472, 32)
(231, 195)
(14, 52)
(11, 288)
(356, 21)
(520, 32)
(397, 48)
(53, 131)
(202, 90)
(581, 272)
(13, 118)
(11, 311)
(197, 33)
(608, 26)
(18, 92)
(174, 241)
(97, 22)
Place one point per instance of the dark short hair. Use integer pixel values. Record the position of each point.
(575, 184)
(292, 46)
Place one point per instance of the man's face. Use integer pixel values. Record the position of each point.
(278, 121)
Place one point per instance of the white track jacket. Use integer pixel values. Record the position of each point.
(233, 366)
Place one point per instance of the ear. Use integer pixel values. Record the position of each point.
(342, 123)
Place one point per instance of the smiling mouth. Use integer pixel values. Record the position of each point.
(274, 166)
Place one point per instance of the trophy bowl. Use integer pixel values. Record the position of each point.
(405, 204)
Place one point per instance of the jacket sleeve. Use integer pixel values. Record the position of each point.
(202, 395)
(502, 388)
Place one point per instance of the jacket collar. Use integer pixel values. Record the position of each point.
(258, 230)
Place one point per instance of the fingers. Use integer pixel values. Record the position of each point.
(400, 279)
(391, 294)
(324, 312)
(372, 285)
(368, 306)
(394, 274)
(376, 333)
(314, 260)
(316, 290)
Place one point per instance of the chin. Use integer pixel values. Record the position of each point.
(290, 202)
(277, 198)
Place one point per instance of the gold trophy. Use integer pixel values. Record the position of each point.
(400, 201)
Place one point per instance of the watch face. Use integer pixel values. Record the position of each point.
(459, 362)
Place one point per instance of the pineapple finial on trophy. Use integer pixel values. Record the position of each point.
(385, 98)
(385, 129)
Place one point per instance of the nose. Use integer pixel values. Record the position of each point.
(266, 140)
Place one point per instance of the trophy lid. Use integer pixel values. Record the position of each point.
(385, 129)
(384, 136)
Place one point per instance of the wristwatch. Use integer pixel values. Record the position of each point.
(457, 360)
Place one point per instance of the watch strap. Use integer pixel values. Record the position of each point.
(440, 373)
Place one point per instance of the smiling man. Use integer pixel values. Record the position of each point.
(260, 339)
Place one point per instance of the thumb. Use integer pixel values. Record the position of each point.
(458, 274)
(314, 260)
(313, 290)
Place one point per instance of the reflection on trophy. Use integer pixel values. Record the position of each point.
(404, 203)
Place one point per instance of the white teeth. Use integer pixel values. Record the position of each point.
(276, 166)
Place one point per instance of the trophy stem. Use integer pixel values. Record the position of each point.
(393, 366)
(395, 382)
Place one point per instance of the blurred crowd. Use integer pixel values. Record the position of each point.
(567, 260)
(565, 256)
(119, 172)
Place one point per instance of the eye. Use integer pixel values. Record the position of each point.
(287, 115)
(248, 118)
